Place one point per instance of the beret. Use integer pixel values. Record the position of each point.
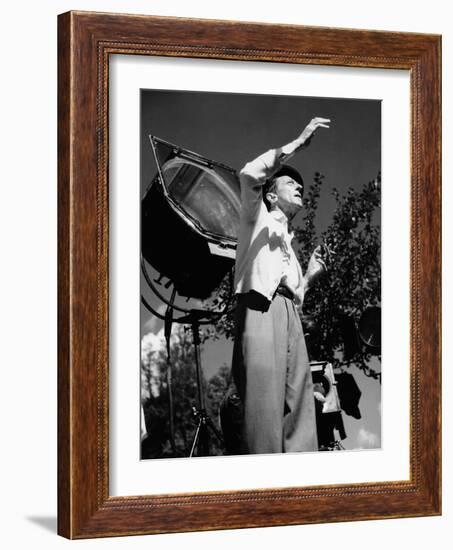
(285, 170)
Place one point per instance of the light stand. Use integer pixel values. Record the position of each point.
(204, 422)
(194, 318)
(198, 199)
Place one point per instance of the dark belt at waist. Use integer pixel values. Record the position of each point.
(284, 291)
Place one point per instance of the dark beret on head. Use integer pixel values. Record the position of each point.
(285, 170)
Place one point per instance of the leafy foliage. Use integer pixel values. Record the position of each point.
(334, 305)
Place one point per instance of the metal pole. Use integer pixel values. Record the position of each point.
(196, 342)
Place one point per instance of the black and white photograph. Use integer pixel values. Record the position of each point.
(260, 274)
(225, 287)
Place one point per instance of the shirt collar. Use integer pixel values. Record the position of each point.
(280, 217)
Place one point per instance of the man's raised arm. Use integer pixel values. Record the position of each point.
(255, 173)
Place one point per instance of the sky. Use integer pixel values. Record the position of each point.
(234, 129)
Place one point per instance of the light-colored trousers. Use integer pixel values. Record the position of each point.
(273, 378)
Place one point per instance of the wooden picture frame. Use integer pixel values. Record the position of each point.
(85, 41)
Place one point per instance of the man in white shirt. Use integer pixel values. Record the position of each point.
(270, 363)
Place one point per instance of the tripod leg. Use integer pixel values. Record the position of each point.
(201, 438)
(204, 438)
(213, 427)
(195, 439)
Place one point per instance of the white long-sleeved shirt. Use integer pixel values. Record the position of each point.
(264, 254)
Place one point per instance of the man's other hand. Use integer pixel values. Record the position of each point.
(316, 266)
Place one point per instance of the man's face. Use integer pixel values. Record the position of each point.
(289, 194)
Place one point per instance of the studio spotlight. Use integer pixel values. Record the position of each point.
(190, 219)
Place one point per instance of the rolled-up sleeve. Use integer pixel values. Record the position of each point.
(252, 178)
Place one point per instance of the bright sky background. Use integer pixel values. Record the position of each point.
(235, 128)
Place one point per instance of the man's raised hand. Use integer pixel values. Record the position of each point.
(310, 129)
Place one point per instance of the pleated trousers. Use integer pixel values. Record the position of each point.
(272, 374)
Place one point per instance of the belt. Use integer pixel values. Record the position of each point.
(284, 291)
